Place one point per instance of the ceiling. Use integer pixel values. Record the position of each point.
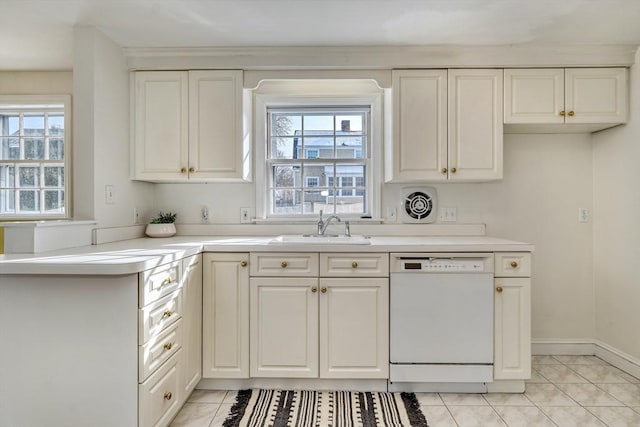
(38, 34)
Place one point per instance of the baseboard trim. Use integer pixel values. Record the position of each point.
(604, 351)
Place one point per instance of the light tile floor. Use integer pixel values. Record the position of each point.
(564, 391)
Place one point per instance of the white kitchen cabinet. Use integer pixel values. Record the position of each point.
(284, 327)
(314, 326)
(419, 148)
(354, 328)
(191, 367)
(225, 315)
(557, 97)
(447, 126)
(160, 142)
(188, 126)
(475, 125)
(512, 318)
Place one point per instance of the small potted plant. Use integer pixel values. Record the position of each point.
(162, 225)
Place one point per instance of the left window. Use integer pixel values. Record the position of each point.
(34, 160)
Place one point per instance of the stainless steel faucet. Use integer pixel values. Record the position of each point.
(322, 224)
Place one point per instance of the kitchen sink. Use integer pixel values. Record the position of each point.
(321, 239)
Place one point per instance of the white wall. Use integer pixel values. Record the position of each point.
(617, 229)
(101, 111)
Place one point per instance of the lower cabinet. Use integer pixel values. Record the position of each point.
(225, 337)
(354, 328)
(170, 351)
(284, 327)
(191, 367)
(512, 316)
(328, 328)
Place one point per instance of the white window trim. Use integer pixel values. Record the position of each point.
(44, 100)
(374, 173)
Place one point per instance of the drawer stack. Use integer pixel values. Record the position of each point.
(160, 343)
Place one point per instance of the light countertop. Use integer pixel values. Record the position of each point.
(132, 256)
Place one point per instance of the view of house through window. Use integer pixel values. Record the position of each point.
(317, 160)
(32, 160)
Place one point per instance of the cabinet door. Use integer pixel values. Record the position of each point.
(216, 150)
(354, 328)
(284, 327)
(475, 125)
(191, 367)
(512, 340)
(419, 148)
(160, 131)
(596, 95)
(534, 95)
(225, 315)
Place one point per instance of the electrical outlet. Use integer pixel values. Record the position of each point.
(109, 195)
(136, 216)
(205, 214)
(391, 215)
(245, 215)
(448, 214)
(584, 214)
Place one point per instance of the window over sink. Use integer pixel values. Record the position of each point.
(318, 152)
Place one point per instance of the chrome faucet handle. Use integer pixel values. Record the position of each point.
(347, 229)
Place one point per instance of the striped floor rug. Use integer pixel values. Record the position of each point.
(281, 408)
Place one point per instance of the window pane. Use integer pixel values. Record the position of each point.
(351, 205)
(7, 176)
(7, 201)
(349, 123)
(29, 200)
(314, 201)
(285, 124)
(286, 202)
(286, 176)
(284, 148)
(318, 147)
(54, 201)
(314, 122)
(53, 176)
(33, 125)
(9, 148)
(34, 148)
(56, 125)
(10, 124)
(56, 149)
(29, 176)
(350, 147)
(321, 172)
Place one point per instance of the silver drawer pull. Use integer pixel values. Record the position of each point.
(167, 281)
(167, 314)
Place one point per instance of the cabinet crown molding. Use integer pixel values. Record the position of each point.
(379, 57)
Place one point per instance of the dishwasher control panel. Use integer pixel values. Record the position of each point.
(480, 263)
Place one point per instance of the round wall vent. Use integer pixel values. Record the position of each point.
(419, 205)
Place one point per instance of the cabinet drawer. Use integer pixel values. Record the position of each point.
(155, 317)
(354, 265)
(158, 396)
(283, 264)
(155, 352)
(512, 264)
(158, 282)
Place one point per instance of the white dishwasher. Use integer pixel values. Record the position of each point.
(441, 319)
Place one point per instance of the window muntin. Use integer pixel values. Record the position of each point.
(317, 160)
(33, 159)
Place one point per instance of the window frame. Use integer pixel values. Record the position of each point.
(30, 103)
(373, 101)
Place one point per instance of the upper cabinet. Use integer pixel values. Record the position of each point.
(585, 99)
(447, 126)
(188, 126)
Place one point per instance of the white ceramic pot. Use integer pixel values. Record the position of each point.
(160, 230)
